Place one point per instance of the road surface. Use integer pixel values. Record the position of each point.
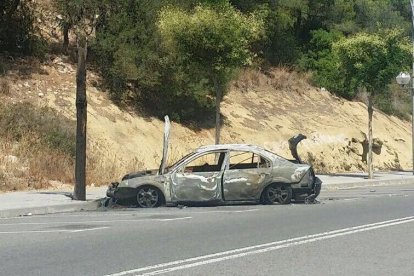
(365, 231)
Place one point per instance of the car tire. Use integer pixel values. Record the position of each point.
(278, 193)
(149, 197)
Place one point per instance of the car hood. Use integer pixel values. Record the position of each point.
(167, 127)
(293, 144)
(140, 174)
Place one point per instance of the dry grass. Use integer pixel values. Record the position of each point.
(29, 165)
(4, 87)
(37, 148)
(281, 78)
(102, 171)
(25, 165)
(38, 169)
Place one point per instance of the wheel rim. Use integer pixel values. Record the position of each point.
(147, 197)
(277, 194)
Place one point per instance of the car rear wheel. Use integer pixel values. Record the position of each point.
(278, 193)
(148, 197)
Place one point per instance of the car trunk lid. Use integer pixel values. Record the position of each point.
(293, 144)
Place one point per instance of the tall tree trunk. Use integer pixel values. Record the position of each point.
(66, 28)
(219, 95)
(370, 139)
(81, 117)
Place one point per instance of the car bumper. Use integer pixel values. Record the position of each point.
(116, 192)
(317, 186)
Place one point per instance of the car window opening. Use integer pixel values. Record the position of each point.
(210, 162)
(247, 160)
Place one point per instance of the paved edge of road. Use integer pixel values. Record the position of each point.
(368, 183)
(52, 209)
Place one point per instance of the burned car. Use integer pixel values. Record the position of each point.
(222, 174)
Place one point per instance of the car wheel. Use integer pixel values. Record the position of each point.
(148, 197)
(278, 193)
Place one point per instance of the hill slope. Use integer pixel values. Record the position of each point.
(260, 109)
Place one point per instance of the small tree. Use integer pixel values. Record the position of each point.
(371, 61)
(215, 40)
(73, 14)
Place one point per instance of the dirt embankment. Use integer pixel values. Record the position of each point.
(259, 109)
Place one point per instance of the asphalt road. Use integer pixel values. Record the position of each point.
(366, 231)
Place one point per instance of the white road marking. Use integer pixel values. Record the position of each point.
(90, 221)
(133, 214)
(243, 211)
(90, 229)
(256, 249)
(171, 219)
(53, 231)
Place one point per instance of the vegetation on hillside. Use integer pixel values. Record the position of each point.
(42, 141)
(218, 51)
(369, 62)
(130, 52)
(18, 33)
(37, 147)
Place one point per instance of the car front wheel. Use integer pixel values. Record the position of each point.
(278, 193)
(148, 197)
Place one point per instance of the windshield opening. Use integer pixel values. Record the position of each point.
(173, 164)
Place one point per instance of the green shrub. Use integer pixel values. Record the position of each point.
(18, 33)
(140, 72)
(322, 61)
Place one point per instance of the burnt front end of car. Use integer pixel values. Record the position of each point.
(126, 191)
(111, 189)
(116, 192)
(122, 190)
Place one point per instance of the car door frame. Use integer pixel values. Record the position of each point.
(175, 195)
(264, 176)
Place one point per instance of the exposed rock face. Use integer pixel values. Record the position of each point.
(376, 146)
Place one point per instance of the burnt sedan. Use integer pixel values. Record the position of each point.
(222, 174)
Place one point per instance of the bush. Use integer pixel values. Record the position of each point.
(18, 33)
(279, 45)
(396, 101)
(322, 61)
(40, 125)
(139, 72)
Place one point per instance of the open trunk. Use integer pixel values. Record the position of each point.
(293, 144)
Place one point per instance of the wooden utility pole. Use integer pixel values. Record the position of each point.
(370, 138)
(219, 96)
(65, 37)
(81, 118)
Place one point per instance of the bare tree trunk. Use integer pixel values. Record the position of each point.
(218, 102)
(370, 139)
(81, 117)
(66, 28)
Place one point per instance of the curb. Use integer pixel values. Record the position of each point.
(51, 209)
(368, 183)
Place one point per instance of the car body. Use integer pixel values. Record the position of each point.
(220, 174)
